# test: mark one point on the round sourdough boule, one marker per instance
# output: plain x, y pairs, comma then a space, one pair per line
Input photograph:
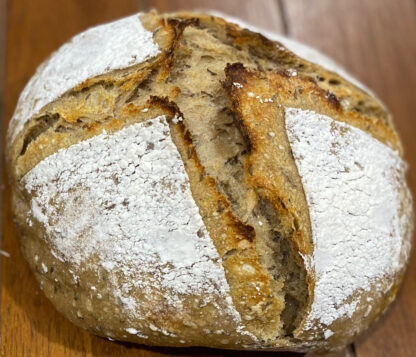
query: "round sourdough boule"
178, 180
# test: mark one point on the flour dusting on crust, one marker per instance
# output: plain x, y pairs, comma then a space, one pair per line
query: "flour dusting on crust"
352, 184
99, 50
123, 202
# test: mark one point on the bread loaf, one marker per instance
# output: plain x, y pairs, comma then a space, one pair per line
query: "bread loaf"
179, 180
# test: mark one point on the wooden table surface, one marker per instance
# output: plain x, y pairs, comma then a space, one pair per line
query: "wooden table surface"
374, 39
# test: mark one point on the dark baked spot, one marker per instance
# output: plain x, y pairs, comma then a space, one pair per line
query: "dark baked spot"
334, 81
246, 231
229, 253
333, 100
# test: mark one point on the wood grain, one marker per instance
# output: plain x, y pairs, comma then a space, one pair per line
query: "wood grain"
263, 13
372, 39
3, 17
375, 41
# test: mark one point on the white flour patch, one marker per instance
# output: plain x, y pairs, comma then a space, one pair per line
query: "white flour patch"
99, 50
124, 199
351, 182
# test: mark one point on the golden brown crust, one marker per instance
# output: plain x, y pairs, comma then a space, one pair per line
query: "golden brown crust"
282, 186
350, 96
270, 167
251, 287
303, 92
